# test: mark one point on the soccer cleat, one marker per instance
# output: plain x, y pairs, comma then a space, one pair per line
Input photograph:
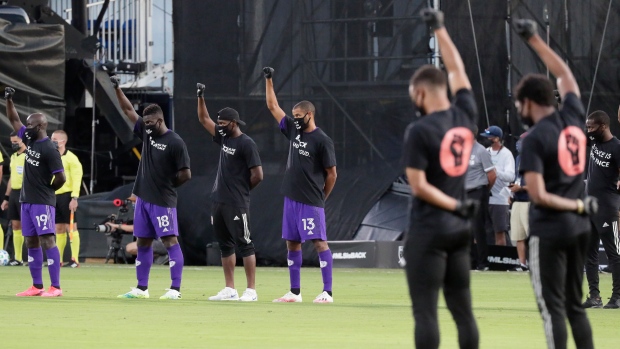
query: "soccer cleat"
15, 263
324, 297
226, 294
171, 294
249, 295
52, 292
593, 302
614, 303
289, 297
135, 293
72, 264
31, 292
482, 268
519, 268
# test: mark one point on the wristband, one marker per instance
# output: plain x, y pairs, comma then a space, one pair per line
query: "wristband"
6, 197
580, 206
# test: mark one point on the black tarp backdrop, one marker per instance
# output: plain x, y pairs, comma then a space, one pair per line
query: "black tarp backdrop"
32, 60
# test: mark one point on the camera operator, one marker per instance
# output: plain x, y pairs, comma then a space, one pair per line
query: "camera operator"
160, 254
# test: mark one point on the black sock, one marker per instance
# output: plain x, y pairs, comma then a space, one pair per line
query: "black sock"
39, 286
175, 288
328, 292
296, 291
143, 288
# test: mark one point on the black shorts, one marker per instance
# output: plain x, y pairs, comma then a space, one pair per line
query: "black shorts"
15, 207
232, 228
63, 213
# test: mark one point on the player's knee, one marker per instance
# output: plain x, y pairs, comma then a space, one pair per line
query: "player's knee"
60, 228
320, 245
132, 248
169, 241
16, 225
227, 250
247, 250
47, 241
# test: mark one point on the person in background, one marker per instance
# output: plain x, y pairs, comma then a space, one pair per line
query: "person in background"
11, 197
519, 225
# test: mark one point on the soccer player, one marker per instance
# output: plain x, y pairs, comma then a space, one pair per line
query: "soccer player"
553, 159
603, 184
436, 153
308, 180
11, 196
164, 166
43, 174
519, 215
67, 200
238, 172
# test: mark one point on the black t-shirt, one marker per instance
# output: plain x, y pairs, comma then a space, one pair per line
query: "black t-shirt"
603, 174
41, 163
440, 144
556, 148
237, 156
309, 154
162, 158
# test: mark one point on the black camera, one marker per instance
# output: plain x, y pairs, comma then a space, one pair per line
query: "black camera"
104, 228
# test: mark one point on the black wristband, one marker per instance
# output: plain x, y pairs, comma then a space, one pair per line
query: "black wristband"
6, 197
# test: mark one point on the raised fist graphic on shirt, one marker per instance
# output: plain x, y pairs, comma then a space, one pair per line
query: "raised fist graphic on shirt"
456, 148
572, 145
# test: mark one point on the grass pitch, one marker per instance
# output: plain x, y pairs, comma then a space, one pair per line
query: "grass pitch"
371, 310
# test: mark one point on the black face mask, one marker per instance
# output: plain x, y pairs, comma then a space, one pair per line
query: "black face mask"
32, 132
301, 123
486, 142
55, 144
418, 111
596, 135
153, 129
15, 146
224, 131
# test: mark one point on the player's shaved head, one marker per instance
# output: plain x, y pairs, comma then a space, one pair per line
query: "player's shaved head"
600, 117
153, 111
37, 119
306, 106
60, 134
430, 77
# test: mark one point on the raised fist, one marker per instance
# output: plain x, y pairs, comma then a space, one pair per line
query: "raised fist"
467, 209
8, 92
201, 90
268, 71
590, 205
432, 17
526, 28
116, 81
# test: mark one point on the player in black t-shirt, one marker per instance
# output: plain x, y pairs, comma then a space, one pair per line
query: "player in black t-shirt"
308, 180
553, 159
436, 153
238, 172
43, 175
164, 166
603, 170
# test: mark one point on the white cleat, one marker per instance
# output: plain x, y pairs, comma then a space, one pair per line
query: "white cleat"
227, 294
171, 294
324, 297
135, 293
249, 295
289, 297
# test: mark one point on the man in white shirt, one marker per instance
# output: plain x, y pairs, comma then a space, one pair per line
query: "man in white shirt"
500, 193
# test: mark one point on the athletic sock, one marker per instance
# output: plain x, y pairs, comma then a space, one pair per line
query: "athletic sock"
1, 238
53, 265
18, 244
326, 262
176, 266
144, 261
75, 246
35, 264
294, 269
61, 242
296, 291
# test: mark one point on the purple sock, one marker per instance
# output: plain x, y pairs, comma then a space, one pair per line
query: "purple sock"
53, 265
35, 264
176, 266
294, 268
325, 261
144, 261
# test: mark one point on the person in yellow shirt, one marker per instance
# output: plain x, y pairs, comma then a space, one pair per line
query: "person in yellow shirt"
11, 196
67, 199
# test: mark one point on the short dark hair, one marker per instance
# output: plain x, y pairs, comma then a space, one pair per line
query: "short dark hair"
600, 117
13, 134
305, 105
153, 109
430, 75
537, 88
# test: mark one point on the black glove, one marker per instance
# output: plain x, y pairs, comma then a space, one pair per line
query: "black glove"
432, 17
588, 206
268, 71
526, 28
116, 81
467, 209
201, 90
8, 93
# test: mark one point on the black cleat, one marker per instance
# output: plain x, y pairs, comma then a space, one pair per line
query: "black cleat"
614, 303
519, 268
72, 264
15, 263
593, 302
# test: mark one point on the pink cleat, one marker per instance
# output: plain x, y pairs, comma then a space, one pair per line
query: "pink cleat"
52, 292
31, 292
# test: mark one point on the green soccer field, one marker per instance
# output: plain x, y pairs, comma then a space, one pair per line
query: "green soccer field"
371, 310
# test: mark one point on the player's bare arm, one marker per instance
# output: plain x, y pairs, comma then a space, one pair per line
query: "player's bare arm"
457, 78
126, 105
330, 180
540, 197
203, 113
566, 82
256, 176
492, 177
59, 180
183, 176
11, 112
272, 101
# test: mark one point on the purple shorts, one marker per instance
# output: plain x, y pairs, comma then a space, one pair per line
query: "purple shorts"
152, 221
38, 219
301, 222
